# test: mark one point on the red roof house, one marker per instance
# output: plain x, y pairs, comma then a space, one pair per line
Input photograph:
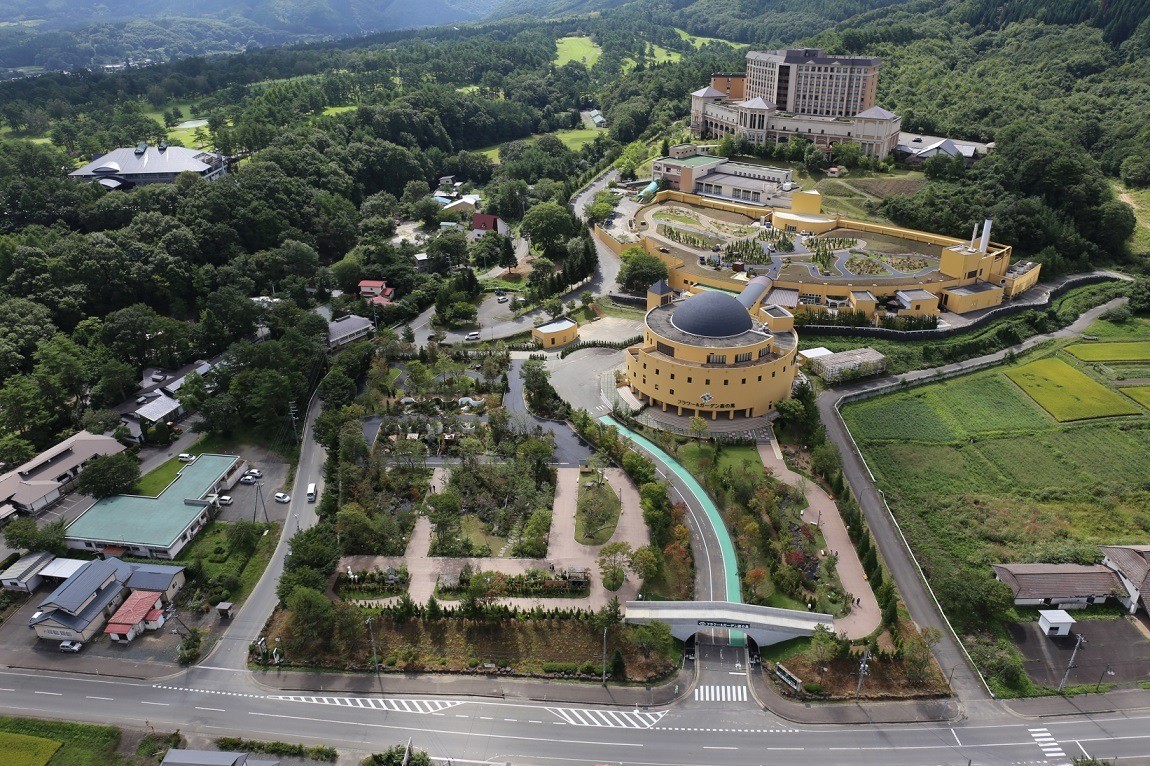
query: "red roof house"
481, 223
128, 621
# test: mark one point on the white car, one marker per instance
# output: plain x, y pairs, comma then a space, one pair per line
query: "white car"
473, 335
71, 646
502, 299
185, 457
247, 480
256, 473
282, 497
224, 500
159, 377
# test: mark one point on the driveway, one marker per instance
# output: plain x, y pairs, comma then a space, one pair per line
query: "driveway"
570, 450
577, 378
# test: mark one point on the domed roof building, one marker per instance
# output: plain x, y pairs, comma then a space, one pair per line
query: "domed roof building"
712, 353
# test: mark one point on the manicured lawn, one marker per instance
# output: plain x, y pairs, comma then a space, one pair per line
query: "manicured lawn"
1066, 393
79, 744
661, 54
1140, 394
473, 528
697, 458
22, 750
153, 483
573, 139
1135, 351
699, 42
596, 495
212, 548
577, 49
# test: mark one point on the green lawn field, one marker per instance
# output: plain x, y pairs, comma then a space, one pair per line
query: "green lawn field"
1130, 351
1140, 394
699, 42
1068, 394
73, 744
577, 49
21, 750
573, 139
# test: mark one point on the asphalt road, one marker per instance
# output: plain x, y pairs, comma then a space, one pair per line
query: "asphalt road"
569, 448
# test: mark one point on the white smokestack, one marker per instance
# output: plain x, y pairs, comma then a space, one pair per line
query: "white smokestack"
985, 236
973, 235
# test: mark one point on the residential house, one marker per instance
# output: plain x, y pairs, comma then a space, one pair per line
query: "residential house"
481, 223
142, 610
79, 607
164, 579
1131, 563
376, 292
52, 474
348, 329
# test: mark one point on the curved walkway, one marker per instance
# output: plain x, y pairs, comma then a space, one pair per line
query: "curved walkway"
866, 616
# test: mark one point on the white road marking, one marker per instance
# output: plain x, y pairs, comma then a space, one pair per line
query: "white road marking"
157, 704
614, 719
51, 694
720, 693
719, 747
105, 699
394, 705
213, 709
956, 739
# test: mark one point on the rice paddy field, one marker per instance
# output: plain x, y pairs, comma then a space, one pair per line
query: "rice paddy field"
1128, 351
1040, 460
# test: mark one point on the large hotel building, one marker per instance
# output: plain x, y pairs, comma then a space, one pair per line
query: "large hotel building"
798, 92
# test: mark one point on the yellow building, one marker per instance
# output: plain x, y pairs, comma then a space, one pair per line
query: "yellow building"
714, 354
557, 332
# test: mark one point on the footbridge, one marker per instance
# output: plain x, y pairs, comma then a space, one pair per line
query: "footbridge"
766, 625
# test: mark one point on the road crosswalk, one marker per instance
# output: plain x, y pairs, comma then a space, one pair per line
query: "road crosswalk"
614, 719
374, 703
1050, 747
724, 693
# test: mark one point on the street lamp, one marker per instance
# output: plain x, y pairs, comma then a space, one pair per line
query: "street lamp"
374, 653
604, 656
1108, 672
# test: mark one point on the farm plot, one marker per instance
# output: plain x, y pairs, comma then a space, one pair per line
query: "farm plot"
1137, 351
21, 750
1068, 394
1140, 394
905, 416
986, 404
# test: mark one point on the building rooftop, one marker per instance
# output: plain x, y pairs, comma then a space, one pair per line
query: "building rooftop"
659, 319
915, 295
152, 161
863, 295
693, 161
1036, 581
708, 92
781, 296
38, 477
345, 326
134, 609
156, 577
158, 408
812, 56
711, 314
72, 594
876, 113
62, 569
28, 565
555, 325
153, 521
660, 288
757, 103
974, 289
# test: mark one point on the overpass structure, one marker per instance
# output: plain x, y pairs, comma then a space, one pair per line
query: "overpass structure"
766, 625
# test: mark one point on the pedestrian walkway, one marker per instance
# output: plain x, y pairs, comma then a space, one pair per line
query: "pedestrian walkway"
723, 693
821, 509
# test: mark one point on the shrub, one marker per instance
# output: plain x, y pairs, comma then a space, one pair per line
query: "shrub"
570, 668
812, 687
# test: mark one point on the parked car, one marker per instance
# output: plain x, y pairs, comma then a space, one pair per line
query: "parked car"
282, 497
500, 292
502, 299
255, 472
247, 480
185, 457
71, 646
473, 335
159, 377
407, 400
224, 499
141, 400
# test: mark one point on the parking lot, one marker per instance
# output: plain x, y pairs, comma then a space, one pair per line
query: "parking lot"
1115, 651
246, 504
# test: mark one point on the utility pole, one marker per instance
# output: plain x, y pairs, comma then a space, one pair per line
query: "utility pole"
294, 425
604, 656
406, 753
260, 502
863, 672
1070, 664
375, 660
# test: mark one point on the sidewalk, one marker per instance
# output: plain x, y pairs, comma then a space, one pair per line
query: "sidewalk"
865, 617
498, 687
838, 713
1081, 704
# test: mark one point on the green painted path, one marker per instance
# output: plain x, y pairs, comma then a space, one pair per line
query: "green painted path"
726, 547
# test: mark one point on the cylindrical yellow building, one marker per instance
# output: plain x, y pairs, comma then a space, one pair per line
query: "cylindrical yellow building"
713, 353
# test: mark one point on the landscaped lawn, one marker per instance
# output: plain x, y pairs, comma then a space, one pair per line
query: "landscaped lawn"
1131, 351
577, 49
1066, 393
573, 139
661, 54
699, 42
600, 496
79, 744
154, 482
473, 528
693, 457
1140, 394
212, 548
22, 750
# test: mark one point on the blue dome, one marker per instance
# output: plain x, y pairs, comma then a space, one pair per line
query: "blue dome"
712, 314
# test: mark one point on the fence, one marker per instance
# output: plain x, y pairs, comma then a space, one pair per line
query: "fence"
1068, 283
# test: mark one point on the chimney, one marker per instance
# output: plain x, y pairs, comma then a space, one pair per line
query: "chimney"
985, 236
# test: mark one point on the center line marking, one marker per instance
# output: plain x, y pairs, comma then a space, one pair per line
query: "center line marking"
213, 709
51, 694
719, 747
106, 699
161, 704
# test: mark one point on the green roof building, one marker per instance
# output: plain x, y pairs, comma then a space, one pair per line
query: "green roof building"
158, 526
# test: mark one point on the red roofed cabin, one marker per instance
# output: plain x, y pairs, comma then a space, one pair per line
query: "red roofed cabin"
376, 292
481, 223
141, 611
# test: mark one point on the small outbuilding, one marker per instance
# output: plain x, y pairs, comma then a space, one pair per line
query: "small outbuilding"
1055, 622
557, 332
25, 576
